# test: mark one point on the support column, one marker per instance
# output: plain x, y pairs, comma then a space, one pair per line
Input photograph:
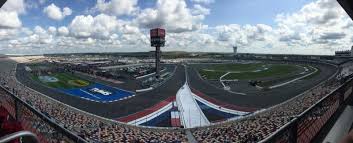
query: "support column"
293, 133
17, 110
157, 54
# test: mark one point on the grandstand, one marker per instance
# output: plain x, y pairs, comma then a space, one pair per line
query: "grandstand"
231, 122
183, 97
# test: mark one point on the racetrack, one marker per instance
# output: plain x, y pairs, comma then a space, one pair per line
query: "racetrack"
109, 110
254, 97
113, 110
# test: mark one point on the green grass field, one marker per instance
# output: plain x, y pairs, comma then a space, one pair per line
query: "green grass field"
274, 70
235, 67
211, 74
246, 71
66, 81
314, 74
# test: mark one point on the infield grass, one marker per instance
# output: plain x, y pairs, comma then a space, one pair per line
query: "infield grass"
273, 71
65, 81
234, 67
246, 71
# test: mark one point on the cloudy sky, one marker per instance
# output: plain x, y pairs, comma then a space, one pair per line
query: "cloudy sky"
255, 26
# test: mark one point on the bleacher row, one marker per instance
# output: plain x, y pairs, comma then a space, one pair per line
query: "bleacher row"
85, 125
94, 129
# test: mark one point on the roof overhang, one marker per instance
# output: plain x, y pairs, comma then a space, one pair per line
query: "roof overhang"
347, 6
2, 3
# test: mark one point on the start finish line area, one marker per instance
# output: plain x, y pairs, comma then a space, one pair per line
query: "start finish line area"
99, 93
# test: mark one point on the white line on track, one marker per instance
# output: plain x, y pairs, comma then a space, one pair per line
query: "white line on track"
288, 82
90, 94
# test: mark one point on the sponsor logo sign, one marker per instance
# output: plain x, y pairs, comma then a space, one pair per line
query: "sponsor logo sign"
100, 91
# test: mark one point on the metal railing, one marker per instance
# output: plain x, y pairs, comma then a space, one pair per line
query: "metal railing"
35, 121
305, 127
19, 134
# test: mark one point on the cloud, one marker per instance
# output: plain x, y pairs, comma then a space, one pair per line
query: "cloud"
63, 31
172, 15
9, 14
41, 36
320, 27
332, 36
200, 10
7, 34
117, 7
322, 24
100, 26
9, 20
290, 37
52, 30
203, 1
17, 6
39, 30
55, 13
42, 1
243, 35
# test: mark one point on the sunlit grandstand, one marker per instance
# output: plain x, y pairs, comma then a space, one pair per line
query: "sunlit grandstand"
240, 100
77, 84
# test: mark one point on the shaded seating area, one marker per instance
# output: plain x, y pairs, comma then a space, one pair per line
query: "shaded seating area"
8, 124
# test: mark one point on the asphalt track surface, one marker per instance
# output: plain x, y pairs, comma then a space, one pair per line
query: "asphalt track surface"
109, 110
242, 86
260, 99
147, 99
129, 83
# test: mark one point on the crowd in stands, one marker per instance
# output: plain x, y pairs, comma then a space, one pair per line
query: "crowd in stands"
346, 72
93, 129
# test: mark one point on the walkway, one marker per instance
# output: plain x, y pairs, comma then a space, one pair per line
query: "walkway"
341, 127
191, 114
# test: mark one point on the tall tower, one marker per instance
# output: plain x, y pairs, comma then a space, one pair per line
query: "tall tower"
157, 40
235, 48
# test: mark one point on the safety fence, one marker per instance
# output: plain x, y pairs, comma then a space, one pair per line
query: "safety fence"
306, 126
35, 121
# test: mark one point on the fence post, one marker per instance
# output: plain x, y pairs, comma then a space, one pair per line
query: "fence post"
16, 110
341, 93
293, 131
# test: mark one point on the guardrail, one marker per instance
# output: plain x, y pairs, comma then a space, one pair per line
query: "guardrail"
35, 121
305, 127
19, 135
